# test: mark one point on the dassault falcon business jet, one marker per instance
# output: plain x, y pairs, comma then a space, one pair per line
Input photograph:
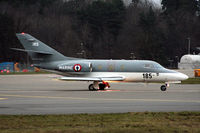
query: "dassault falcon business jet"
100, 72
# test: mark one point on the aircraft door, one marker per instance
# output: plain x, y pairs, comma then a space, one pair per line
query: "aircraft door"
90, 67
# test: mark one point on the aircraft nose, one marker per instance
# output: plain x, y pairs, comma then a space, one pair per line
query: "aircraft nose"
182, 76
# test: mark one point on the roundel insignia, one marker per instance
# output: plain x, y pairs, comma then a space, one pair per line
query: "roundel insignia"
77, 68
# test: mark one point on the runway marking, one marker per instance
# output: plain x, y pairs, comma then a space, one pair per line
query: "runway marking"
103, 99
171, 91
55, 79
137, 91
3, 98
50, 97
107, 90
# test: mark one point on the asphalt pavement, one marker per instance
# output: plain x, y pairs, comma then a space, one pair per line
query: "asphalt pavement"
44, 94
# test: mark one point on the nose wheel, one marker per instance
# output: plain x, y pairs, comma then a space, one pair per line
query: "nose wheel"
163, 88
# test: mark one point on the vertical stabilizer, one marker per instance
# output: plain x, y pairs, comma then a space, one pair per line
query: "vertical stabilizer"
38, 51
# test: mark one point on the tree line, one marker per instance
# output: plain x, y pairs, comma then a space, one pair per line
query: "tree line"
103, 29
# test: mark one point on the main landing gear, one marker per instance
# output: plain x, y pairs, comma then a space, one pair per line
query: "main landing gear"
98, 86
164, 87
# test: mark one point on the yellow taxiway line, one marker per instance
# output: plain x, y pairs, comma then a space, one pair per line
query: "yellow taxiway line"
102, 99
3, 98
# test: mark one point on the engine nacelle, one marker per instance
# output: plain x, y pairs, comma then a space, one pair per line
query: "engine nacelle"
75, 67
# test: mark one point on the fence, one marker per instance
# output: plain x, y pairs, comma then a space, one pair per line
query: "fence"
7, 67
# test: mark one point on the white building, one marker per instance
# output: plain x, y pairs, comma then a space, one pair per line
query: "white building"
189, 62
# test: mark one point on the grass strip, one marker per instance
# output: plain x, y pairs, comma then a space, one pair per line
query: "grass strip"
153, 122
191, 81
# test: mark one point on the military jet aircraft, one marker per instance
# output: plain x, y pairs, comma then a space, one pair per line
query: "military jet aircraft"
100, 72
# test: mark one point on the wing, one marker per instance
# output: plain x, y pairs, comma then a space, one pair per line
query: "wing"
92, 78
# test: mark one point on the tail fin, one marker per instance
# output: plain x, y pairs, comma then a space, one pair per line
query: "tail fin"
37, 50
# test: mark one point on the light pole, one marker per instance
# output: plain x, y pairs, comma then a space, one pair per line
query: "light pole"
177, 61
27, 60
82, 53
132, 56
188, 45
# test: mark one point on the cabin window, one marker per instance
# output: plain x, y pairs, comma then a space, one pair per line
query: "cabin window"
99, 67
122, 67
111, 67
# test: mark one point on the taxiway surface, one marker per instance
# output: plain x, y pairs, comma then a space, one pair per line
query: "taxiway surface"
43, 94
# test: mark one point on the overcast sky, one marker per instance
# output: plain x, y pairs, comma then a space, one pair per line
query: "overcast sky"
157, 2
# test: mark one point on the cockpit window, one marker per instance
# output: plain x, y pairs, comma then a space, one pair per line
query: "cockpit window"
148, 66
157, 65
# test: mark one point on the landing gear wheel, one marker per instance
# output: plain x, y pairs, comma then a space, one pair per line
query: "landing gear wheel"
91, 87
163, 88
102, 86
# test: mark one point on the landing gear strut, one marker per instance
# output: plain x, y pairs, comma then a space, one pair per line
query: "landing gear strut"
98, 86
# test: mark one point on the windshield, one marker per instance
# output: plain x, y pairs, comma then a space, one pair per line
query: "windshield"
152, 65
156, 65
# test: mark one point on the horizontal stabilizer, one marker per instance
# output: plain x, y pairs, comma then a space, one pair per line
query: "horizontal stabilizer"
39, 52
92, 78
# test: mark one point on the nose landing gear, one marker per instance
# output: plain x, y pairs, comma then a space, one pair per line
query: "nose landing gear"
98, 86
164, 87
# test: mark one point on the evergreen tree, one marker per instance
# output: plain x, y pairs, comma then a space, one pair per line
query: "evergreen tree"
7, 38
104, 19
171, 6
152, 40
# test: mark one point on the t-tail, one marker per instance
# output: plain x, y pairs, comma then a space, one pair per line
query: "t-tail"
38, 51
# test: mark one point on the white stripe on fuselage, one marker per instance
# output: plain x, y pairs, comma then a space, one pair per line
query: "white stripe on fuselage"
141, 76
